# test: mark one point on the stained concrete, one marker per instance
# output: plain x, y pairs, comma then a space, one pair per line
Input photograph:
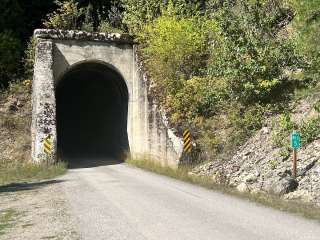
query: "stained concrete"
91, 98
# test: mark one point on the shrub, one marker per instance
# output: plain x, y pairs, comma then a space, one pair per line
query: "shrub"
283, 127
105, 26
198, 97
175, 49
28, 60
254, 55
310, 131
307, 26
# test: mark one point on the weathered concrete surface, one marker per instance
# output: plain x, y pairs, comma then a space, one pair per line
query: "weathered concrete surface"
59, 51
43, 101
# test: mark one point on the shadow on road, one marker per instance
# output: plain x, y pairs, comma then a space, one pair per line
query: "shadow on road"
90, 162
15, 187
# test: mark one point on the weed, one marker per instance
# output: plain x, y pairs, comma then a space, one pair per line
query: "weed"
21, 172
273, 164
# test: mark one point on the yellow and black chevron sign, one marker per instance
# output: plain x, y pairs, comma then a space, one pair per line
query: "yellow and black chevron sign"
47, 145
187, 141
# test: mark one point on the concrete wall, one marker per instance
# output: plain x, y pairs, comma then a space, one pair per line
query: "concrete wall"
58, 51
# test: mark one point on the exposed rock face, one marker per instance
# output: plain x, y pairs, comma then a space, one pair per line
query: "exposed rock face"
259, 167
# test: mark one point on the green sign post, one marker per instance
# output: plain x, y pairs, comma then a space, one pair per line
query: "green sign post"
295, 145
295, 140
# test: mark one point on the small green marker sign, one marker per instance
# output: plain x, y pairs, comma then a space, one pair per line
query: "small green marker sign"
295, 140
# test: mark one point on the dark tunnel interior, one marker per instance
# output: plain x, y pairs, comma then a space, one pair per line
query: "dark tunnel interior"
92, 107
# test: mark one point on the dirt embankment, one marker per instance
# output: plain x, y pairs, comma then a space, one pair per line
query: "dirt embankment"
15, 120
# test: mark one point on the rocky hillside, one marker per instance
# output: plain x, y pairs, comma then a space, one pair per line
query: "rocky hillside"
259, 166
15, 119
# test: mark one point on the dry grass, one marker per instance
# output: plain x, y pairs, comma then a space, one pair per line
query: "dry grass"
7, 219
27, 172
303, 209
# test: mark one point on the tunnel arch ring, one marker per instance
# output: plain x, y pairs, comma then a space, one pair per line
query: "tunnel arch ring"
90, 61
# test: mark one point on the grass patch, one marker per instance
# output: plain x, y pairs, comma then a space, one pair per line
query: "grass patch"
305, 92
24, 172
303, 209
7, 219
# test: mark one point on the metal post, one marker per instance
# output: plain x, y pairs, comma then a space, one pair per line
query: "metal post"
294, 167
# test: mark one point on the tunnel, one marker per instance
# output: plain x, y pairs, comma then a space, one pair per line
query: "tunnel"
92, 109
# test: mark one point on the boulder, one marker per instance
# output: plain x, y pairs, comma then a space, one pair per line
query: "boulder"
283, 186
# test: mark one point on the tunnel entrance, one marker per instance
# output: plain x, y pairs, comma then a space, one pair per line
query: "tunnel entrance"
92, 108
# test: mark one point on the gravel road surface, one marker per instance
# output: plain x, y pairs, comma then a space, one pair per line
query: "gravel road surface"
122, 202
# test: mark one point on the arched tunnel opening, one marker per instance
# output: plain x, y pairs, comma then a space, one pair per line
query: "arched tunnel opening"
92, 108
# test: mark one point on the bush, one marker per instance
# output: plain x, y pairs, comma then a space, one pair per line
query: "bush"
283, 127
307, 26
256, 53
137, 13
28, 60
175, 50
105, 26
198, 97
310, 131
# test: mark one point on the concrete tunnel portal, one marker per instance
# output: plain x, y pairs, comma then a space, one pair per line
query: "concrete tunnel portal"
93, 102
92, 109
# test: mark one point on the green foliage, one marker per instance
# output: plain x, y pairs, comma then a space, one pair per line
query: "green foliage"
213, 137
106, 27
310, 131
246, 120
316, 106
67, 16
273, 164
283, 127
175, 50
137, 13
28, 60
198, 97
9, 57
254, 56
88, 21
307, 26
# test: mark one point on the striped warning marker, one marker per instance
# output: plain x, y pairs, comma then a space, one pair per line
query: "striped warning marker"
187, 141
47, 146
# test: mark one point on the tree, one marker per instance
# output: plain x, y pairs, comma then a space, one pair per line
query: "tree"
137, 13
9, 57
67, 16
307, 26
